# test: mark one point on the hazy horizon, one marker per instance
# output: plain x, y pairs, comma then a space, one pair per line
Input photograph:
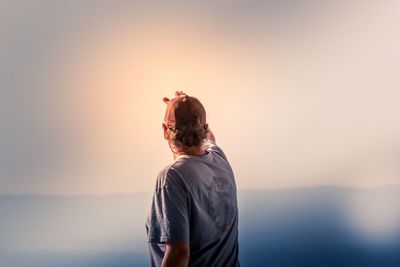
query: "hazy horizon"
239, 190
297, 227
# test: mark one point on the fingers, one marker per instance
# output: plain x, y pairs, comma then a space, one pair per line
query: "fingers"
166, 100
179, 93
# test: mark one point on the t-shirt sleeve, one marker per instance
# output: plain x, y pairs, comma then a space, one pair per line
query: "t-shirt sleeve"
169, 216
212, 146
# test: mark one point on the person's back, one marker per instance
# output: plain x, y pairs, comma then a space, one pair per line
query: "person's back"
195, 206
207, 184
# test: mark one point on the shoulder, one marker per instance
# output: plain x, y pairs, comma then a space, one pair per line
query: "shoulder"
168, 176
213, 147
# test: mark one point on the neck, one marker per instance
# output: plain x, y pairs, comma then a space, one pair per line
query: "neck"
191, 151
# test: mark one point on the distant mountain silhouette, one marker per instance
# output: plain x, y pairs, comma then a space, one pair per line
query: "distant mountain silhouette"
295, 227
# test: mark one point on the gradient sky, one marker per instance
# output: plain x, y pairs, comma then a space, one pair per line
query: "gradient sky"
298, 93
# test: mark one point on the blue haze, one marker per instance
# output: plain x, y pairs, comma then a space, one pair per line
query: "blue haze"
298, 227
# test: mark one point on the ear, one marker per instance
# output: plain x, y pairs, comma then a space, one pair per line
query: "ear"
206, 127
165, 130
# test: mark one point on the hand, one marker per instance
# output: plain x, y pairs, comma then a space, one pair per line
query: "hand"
177, 94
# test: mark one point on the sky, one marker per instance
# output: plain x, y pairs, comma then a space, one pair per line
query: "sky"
297, 93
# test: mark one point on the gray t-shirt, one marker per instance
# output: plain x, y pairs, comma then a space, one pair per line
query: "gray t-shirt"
195, 202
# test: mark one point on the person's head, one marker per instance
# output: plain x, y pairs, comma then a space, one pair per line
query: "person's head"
184, 124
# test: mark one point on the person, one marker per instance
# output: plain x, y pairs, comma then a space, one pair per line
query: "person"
193, 220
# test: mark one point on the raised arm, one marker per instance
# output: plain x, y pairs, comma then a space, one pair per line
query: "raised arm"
210, 136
